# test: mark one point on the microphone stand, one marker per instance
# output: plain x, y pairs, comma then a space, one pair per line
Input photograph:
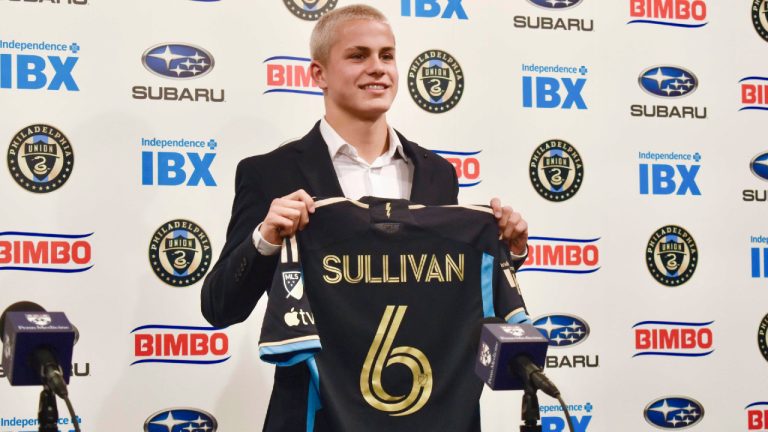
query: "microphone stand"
530, 411
48, 412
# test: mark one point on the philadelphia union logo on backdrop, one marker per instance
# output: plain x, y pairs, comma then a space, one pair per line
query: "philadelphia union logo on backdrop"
180, 253
760, 17
556, 170
672, 255
674, 412
181, 420
436, 81
762, 337
40, 158
310, 10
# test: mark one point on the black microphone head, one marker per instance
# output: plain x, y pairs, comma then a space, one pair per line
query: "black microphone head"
22, 306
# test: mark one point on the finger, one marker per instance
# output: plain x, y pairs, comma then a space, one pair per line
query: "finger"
496, 207
506, 213
304, 197
282, 225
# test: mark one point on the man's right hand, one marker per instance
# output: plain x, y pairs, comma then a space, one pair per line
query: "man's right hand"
286, 216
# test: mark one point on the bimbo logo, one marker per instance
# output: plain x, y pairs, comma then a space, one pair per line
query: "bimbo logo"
55, 253
179, 344
757, 416
286, 74
754, 93
181, 420
675, 13
562, 255
466, 164
674, 412
36, 72
675, 339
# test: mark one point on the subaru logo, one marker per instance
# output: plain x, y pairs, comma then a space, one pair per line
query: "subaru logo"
759, 165
180, 420
556, 4
673, 412
177, 61
668, 81
562, 330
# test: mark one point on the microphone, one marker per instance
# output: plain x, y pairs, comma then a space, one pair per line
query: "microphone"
36, 344
511, 357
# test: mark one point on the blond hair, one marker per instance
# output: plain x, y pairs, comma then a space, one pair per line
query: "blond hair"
325, 30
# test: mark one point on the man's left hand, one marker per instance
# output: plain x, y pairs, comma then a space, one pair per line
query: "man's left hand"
512, 227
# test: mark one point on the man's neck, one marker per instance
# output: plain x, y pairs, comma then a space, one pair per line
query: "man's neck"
369, 138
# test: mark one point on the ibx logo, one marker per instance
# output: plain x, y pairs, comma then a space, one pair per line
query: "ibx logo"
466, 164
564, 331
23, 70
757, 416
674, 412
562, 255
433, 9
674, 339
549, 23
675, 13
668, 82
38, 252
677, 177
179, 344
287, 74
759, 167
178, 61
552, 417
181, 420
759, 247
754, 93
552, 87
162, 166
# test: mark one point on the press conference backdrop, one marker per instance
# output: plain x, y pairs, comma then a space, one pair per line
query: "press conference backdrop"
629, 133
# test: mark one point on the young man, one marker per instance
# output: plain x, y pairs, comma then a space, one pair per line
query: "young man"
351, 152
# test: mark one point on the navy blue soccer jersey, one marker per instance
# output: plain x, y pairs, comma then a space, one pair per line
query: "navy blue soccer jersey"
381, 299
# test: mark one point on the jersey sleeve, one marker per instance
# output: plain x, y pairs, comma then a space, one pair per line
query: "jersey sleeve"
508, 299
288, 333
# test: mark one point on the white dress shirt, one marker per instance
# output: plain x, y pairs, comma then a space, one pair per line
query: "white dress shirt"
389, 176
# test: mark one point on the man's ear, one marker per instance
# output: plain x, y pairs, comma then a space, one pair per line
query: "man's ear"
317, 72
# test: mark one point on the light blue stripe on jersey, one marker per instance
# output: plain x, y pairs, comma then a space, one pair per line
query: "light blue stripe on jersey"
303, 351
313, 395
520, 318
486, 285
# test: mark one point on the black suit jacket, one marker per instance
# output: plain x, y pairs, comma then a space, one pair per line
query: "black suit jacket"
241, 275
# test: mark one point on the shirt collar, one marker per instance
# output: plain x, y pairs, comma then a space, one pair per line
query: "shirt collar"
336, 143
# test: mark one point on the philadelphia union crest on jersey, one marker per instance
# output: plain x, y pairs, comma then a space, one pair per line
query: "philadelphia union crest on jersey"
762, 337
435, 81
40, 158
180, 253
760, 17
556, 170
310, 10
672, 255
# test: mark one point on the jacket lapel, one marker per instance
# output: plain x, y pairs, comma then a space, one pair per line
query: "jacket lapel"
422, 171
316, 166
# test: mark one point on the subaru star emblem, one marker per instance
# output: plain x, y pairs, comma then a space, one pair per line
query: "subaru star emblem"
556, 4
759, 165
562, 330
668, 81
177, 61
180, 420
674, 412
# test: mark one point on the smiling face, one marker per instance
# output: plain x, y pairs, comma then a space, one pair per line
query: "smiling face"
359, 77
